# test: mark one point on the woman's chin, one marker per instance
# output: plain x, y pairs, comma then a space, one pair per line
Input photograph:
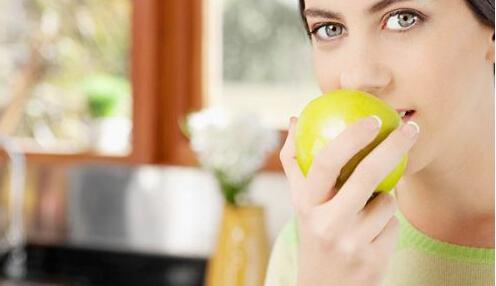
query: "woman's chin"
412, 166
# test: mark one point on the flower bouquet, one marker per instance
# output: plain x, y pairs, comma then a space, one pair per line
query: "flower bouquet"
232, 146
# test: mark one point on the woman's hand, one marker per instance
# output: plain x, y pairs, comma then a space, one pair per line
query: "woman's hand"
344, 240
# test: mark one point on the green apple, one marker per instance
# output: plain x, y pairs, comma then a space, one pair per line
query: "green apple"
328, 115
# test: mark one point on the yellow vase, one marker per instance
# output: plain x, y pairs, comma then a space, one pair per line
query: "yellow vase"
241, 255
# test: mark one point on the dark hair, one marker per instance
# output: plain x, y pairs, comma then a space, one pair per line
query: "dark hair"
482, 9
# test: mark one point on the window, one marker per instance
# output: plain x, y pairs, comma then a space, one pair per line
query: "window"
65, 75
258, 58
170, 55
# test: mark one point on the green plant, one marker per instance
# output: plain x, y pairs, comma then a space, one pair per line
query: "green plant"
105, 95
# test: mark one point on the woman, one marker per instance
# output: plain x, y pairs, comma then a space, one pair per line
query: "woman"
434, 58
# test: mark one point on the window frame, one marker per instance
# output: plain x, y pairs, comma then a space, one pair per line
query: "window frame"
166, 75
144, 78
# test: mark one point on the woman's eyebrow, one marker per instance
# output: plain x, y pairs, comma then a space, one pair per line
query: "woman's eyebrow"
383, 4
321, 13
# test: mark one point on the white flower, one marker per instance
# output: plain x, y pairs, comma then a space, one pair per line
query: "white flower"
234, 144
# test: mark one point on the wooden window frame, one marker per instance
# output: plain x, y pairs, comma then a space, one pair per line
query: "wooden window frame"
167, 84
182, 61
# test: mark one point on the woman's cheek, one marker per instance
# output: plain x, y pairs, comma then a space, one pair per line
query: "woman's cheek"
325, 81
322, 73
327, 71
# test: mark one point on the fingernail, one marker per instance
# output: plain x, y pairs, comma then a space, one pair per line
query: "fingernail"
373, 122
410, 129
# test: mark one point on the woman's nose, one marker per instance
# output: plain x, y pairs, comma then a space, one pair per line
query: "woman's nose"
371, 78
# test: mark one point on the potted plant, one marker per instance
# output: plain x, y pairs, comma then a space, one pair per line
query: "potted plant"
107, 103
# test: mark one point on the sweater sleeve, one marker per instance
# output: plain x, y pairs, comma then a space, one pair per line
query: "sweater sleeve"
282, 267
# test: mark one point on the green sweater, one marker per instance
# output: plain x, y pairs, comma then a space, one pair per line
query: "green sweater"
418, 260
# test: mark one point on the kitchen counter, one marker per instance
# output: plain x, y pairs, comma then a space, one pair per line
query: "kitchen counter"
25, 283
66, 265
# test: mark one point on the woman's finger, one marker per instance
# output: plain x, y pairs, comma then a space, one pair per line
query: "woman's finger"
288, 160
327, 165
374, 168
374, 217
385, 243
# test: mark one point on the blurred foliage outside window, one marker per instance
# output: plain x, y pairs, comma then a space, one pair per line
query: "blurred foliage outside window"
64, 69
264, 58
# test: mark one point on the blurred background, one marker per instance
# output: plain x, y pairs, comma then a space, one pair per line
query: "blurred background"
100, 182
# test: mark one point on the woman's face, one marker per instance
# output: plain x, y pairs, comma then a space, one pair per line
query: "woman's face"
433, 57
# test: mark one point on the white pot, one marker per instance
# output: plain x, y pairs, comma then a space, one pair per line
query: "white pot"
110, 135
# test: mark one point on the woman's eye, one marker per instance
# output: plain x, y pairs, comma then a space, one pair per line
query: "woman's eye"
401, 20
328, 31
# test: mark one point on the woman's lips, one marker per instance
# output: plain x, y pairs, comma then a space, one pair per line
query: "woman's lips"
406, 114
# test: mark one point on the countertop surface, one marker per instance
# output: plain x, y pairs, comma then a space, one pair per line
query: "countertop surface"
56, 265
26, 283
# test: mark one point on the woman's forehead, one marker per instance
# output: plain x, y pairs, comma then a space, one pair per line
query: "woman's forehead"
368, 6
